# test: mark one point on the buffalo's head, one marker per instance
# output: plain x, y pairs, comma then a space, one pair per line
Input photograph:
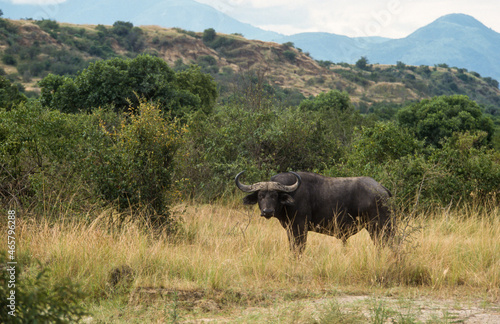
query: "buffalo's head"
270, 194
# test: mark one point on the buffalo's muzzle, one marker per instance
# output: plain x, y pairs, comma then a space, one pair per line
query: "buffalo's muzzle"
267, 213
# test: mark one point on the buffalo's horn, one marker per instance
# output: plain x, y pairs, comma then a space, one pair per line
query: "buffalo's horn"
243, 187
269, 185
293, 187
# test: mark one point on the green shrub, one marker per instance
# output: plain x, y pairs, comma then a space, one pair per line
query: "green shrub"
9, 94
290, 55
9, 59
384, 142
41, 155
37, 301
220, 42
132, 165
122, 28
460, 171
48, 25
263, 142
473, 169
435, 119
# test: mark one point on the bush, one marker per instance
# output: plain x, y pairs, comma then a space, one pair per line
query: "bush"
69, 162
263, 142
362, 64
384, 142
473, 169
438, 118
9, 94
37, 301
132, 165
122, 28
461, 170
48, 25
333, 100
290, 55
220, 42
41, 156
9, 59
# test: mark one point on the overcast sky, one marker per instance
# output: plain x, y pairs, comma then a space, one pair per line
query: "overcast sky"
387, 18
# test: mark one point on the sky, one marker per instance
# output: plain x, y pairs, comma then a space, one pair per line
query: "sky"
354, 18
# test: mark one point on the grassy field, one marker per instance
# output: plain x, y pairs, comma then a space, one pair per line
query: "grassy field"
227, 264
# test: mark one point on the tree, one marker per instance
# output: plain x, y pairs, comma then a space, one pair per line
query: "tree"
208, 35
332, 100
122, 28
438, 118
120, 82
362, 63
400, 65
9, 94
199, 84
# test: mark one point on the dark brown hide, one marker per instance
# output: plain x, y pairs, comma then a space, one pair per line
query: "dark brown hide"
339, 207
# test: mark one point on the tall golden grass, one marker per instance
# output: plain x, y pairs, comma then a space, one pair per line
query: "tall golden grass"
229, 247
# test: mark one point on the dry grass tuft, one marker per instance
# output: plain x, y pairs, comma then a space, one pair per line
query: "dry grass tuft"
225, 248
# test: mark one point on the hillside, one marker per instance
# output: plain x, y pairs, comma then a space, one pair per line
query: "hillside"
454, 39
32, 49
186, 14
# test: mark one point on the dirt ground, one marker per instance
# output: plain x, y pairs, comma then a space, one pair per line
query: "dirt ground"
198, 307
368, 308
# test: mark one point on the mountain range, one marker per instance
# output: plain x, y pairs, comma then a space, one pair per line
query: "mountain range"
456, 39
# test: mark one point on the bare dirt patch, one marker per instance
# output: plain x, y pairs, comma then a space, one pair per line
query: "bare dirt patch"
199, 306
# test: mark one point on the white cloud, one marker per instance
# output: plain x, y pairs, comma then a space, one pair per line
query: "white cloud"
389, 18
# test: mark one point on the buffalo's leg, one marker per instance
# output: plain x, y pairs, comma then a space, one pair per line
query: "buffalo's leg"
297, 237
381, 229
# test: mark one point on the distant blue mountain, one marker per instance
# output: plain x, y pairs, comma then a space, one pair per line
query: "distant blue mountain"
456, 39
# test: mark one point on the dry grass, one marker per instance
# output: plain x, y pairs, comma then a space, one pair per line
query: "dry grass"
230, 252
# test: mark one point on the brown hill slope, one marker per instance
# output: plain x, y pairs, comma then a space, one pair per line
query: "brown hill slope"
32, 49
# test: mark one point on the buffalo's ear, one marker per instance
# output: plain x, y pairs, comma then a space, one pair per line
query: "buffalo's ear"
251, 199
287, 200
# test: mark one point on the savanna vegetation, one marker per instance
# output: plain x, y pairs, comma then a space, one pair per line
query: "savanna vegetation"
122, 180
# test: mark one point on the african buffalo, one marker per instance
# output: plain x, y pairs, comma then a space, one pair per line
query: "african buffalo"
305, 201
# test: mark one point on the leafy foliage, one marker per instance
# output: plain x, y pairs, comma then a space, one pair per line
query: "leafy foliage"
9, 94
38, 146
133, 164
262, 141
362, 63
333, 100
118, 82
36, 300
209, 35
384, 142
120, 159
462, 169
434, 119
